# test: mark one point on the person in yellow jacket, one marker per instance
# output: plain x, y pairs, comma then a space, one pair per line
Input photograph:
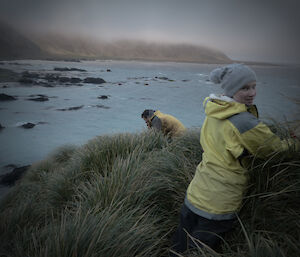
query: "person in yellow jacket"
231, 130
166, 123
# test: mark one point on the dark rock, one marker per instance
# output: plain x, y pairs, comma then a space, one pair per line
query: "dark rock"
64, 79
94, 80
51, 77
7, 75
75, 80
39, 99
71, 108
1, 127
68, 69
27, 74
103, 97
54, 78
108, 70
10, 179
10, 166
101, 106
5, 97
40, 95
26, 80
28, 125
42, 84
163, 78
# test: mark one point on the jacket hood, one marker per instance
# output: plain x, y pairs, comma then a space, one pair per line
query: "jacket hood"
222, 107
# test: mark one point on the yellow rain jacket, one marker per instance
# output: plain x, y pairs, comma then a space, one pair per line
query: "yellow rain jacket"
170, 126
229, 130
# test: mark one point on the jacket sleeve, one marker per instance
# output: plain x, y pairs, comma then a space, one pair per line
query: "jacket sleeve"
256, 137
262, 142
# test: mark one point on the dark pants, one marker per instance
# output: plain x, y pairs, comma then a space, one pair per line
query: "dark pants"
205, 230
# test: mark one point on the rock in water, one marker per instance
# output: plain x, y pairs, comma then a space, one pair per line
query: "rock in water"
5, 97
39, 99
28, 125
103, 97
94, 80
10, 179
71, 108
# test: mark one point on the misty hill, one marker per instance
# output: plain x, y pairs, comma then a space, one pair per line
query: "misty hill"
129, 50
13, 45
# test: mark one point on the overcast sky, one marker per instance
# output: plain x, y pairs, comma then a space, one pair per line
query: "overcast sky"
255, 30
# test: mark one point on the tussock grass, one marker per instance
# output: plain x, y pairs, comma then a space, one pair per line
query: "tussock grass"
120, 195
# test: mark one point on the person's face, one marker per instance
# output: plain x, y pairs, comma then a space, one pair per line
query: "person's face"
246, 94
147, 121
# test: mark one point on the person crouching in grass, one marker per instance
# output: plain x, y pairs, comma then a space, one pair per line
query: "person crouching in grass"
166, 123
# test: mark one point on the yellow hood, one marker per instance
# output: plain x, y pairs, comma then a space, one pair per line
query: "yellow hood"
222, 107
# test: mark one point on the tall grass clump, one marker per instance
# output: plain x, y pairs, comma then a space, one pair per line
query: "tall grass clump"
120, 195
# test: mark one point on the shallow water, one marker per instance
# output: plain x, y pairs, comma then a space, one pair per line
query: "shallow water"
131, 87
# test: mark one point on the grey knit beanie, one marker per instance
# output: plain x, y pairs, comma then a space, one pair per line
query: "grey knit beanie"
232, 77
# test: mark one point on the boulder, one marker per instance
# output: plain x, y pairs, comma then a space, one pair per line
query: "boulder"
163, 78
7, 75
71, 108
25, 80
1, 127
64, 79
101, 106
39, 98
75, 80
54, 77
28, 125
10, 179
27, 74
5, 97
51, 77
103, 97
92, 80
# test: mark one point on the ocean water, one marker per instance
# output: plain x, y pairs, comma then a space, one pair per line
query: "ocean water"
131, 86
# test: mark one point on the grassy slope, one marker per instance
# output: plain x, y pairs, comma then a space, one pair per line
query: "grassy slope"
119, 195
